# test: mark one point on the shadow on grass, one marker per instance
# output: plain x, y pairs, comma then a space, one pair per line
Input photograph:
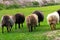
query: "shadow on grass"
42, 28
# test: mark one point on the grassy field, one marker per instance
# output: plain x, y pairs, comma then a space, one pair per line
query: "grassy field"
23, 34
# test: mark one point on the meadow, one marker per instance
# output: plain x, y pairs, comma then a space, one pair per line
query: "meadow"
22, 33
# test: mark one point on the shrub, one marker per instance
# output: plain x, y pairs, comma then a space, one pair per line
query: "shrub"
35, 3
13, 6
2, 6
28, 4
50, 4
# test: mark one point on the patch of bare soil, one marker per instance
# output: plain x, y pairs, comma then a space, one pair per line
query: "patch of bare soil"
53, 35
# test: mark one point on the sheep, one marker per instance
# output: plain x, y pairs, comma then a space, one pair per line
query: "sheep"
53, 19
19, 19
31, 21
7, 22
40, 16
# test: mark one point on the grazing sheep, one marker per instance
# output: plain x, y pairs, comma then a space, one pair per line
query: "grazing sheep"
31, 21
7, 22
19, 19
40, 16
53, 19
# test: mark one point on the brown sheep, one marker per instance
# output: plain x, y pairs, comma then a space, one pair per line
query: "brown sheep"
31, 21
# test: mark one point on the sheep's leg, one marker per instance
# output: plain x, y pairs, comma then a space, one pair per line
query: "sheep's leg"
31, 28
8, 29
2, 29
22, 24
19, 26
11, 28
54, 27
39, 23
34, 27
51, 27
15, 26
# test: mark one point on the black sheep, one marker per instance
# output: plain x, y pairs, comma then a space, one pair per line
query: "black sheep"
59, 13
19, 19
40, 16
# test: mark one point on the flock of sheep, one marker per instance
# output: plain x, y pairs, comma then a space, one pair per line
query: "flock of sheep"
32, 21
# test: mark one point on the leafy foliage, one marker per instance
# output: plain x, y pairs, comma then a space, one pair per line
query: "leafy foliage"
35, 3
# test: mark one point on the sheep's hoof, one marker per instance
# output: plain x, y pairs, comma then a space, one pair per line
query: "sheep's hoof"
36, 25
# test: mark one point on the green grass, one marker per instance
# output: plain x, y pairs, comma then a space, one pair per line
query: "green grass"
23, 34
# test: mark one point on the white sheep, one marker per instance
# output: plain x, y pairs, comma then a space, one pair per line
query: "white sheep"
53, 19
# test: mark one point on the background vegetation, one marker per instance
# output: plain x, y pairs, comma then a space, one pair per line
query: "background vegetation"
28, 4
